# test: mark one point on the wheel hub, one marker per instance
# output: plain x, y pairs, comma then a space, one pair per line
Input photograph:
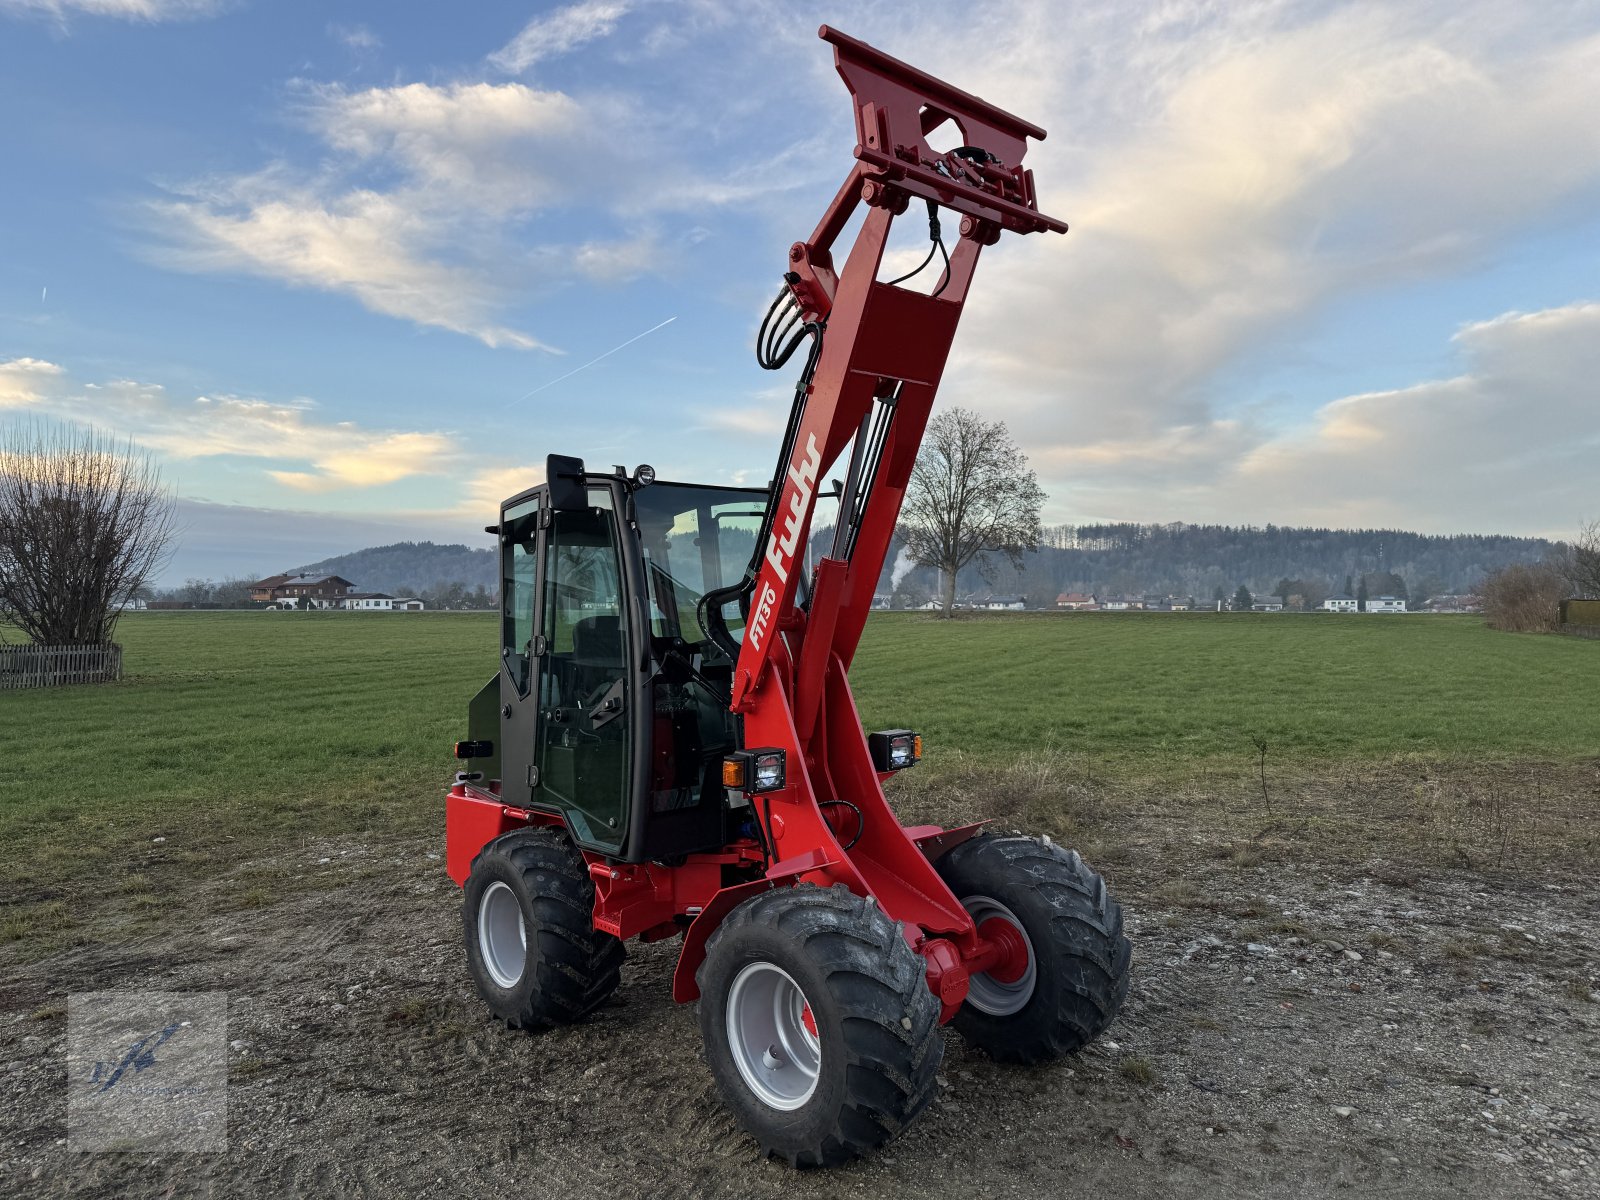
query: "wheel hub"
772, 1033
1006, 986
502, 936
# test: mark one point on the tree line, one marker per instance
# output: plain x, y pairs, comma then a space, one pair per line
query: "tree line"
1211, 562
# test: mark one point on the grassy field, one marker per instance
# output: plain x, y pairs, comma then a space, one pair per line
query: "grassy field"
239, 728
1183, 687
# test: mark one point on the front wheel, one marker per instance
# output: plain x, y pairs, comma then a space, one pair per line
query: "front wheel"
819, 1027
1076, 972
532, 948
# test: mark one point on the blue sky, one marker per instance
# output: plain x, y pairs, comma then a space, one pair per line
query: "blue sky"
1329, 264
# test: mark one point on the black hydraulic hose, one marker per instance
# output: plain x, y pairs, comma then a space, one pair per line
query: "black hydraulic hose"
861, 820
709, 610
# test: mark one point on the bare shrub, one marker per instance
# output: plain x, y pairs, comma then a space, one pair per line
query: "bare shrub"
84, 523
1524, 598
1580, 562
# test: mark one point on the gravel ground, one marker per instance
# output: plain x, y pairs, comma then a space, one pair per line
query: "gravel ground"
1293, 1030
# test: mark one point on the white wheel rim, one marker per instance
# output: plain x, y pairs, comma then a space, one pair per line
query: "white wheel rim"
502, 937
986, 993
777, 1056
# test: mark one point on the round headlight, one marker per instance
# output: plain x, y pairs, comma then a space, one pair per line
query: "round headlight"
644, 475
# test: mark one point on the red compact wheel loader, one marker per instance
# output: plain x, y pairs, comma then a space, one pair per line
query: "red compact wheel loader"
670, 747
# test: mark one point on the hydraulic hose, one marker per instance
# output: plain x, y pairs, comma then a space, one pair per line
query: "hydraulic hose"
771, 356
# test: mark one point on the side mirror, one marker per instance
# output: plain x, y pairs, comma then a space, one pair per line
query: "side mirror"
565, 477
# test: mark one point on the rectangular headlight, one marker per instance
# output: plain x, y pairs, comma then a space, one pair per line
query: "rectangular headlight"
768, 774
894, 749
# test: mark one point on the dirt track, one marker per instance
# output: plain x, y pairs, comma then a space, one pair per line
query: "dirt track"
1458, 1055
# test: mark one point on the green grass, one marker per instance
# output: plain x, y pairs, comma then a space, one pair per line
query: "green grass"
252, 727
1191, 686
243, 725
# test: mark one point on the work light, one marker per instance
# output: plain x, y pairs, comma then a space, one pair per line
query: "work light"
644, 475
754, 771
769, 771
894, 749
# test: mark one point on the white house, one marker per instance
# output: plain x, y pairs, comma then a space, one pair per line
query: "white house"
1386, 604
1340, 603
1266, 604
999, 603
407, 604
369, 602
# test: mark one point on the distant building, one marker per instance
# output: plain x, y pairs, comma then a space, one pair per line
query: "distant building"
407, 604
368, 602
1342, 603
1266, 604
307, 591
1386, 604
1074, 601
999, 603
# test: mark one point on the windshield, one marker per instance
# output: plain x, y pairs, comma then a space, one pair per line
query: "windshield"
696, 539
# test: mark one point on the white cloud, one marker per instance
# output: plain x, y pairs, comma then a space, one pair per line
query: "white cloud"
486, 488
127, 10
1274, 164
1505, 445
355, 37
560, 32
1512, 441
418, 210
23, 380
327, 455
372, 245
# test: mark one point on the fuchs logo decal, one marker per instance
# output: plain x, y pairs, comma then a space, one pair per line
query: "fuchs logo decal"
780, 551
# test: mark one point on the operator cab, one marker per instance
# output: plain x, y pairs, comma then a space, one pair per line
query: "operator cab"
611, 703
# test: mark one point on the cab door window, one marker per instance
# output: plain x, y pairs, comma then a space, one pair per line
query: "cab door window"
584, 683
519, 529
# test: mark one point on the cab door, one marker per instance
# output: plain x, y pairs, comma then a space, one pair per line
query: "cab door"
522, 529
583, 754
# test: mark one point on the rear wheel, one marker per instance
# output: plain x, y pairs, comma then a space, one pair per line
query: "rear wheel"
527, 916
819, 1027
1071, 983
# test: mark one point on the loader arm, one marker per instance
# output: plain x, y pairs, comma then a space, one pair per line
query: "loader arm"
867, 389
880, 358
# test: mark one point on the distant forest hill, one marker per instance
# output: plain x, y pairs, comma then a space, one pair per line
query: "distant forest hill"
1197, 560
412, 568
1105, 560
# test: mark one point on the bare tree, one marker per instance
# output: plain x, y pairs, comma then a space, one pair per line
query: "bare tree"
1580, 562
1523, 598
84, 523
970, 492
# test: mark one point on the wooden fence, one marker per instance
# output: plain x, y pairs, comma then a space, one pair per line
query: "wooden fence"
49, 666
